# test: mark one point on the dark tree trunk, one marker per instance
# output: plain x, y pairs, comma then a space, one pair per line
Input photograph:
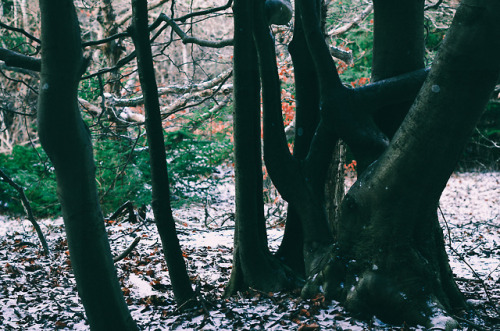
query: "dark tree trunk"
391, 260
66, 140
165, 223
306, 122
398, 48
253, 264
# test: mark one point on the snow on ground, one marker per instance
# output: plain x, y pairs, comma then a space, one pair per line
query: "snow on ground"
39, 293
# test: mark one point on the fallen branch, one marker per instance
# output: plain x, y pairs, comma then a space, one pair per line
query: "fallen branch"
27, 208
127, 251
130, 210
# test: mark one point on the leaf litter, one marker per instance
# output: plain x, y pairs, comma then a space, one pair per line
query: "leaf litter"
39, 292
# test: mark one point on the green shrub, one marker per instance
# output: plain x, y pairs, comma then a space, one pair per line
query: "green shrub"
29, 168
122, 173
191, 161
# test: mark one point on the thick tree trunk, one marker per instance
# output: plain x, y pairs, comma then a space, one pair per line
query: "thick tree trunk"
66, 140
253, 264
391, 260
165, 223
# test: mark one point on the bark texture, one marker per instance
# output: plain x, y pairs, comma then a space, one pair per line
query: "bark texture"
66, 140
390, 260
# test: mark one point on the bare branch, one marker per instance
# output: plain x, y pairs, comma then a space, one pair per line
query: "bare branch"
27, 208
180, 103
336, 31
132, 102
22, 31
193, 40
127, 251
18, 60
205, 12
89, 107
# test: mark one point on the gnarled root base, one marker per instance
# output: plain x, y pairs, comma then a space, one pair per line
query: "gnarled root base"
405, 292
268, 274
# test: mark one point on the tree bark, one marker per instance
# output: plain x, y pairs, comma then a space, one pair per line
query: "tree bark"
66, 140
391, 260
165, 223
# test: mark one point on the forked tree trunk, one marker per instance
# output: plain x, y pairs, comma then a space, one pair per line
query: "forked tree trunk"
390, 259
66, 140
253, 264
306, 122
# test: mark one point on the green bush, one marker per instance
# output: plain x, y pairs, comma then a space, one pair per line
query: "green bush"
191, 161
29, 168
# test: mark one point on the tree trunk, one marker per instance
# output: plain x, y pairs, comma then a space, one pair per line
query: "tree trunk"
390, 259
398, 48
306, 122
66, 140
165, 223
253, 264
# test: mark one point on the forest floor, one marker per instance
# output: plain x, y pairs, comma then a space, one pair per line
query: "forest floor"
39, 292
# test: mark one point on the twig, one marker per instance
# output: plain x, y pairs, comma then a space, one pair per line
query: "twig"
11, 28
473, 325
127, 251
186, 39
461, 258
205, 12
27, 208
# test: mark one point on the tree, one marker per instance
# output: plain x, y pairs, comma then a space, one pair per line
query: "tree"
253, 264
66, 140
384, 254
158, 159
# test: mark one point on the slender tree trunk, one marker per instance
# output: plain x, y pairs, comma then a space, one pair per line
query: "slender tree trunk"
306, 122
165, 223
66, 140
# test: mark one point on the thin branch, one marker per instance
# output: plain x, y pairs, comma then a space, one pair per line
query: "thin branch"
180, 104
186, 39
133, 102
461, 258
22, 31
118, 65
105, 40
127, 251
205, 12
27, 208
364, 14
